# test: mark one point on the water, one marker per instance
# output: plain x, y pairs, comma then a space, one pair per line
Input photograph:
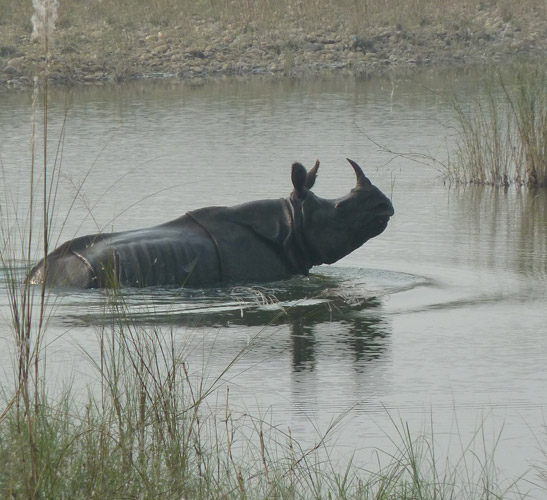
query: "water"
439, 321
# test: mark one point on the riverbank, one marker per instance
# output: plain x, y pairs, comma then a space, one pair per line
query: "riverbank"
102, 41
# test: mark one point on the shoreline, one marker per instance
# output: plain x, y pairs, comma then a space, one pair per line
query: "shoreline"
206, 49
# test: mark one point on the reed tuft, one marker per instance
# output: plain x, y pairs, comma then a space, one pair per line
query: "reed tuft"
502, 133
529, 108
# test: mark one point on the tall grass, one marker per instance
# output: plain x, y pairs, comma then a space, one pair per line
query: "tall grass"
529, 108
28, 313
502, 133
150, 427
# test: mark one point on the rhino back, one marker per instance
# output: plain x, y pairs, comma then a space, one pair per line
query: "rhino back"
162, 255
177, 253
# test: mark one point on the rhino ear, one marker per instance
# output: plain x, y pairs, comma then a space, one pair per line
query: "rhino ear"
299, 179
312, 175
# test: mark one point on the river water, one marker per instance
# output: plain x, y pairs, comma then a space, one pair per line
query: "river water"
440, 322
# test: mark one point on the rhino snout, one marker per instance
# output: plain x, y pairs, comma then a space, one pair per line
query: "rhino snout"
385, 209
383, 212
381, 221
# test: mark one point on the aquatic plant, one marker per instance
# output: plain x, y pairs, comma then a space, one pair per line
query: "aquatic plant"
151, 427
502, 132
529, 109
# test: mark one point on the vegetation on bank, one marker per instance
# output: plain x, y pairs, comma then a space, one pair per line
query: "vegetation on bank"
359, 14
502, 132
101, 40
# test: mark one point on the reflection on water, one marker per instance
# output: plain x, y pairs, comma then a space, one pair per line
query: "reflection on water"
347, 300
504, 227
365, 338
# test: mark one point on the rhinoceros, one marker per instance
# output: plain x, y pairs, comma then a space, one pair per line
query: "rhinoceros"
258, 241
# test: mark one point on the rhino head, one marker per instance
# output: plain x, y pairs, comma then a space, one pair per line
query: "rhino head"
331, 229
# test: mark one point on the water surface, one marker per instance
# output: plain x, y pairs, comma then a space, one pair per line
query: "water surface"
440, 320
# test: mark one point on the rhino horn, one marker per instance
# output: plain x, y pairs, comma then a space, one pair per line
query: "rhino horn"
362, 180
312, 175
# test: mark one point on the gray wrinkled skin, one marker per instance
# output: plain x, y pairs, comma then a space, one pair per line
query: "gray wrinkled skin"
259, 241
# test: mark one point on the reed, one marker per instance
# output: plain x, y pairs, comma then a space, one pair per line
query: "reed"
28, 312
485, 144
151, 434
528, 105
502, 132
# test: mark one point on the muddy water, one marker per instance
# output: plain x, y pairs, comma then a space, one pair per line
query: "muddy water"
440, 321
